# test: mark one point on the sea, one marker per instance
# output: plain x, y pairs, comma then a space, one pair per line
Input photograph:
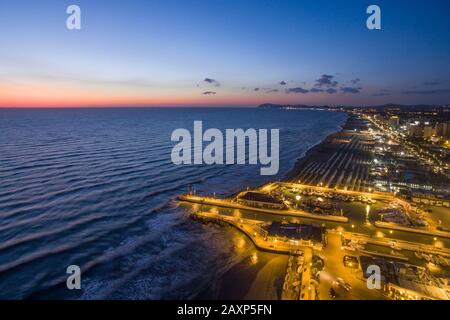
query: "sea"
96, 188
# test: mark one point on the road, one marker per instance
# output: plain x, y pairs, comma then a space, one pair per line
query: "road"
305, 292
334, 267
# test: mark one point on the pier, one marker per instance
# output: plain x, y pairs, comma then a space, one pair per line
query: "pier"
396, 244
374, 194
252, 229
288, 212
393, 226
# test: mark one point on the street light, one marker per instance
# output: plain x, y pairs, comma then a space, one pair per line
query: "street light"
297, 197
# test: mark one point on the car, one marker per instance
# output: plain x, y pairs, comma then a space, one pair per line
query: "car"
343, 284
332, 293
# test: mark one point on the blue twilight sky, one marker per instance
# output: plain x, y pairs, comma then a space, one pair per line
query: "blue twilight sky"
214, 52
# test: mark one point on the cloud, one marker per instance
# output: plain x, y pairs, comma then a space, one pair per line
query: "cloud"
381, 93
283, 83
355, 81
271, 90
350, 90
212, 81
296, 90
329, 90
326, 80
437, 91
433, 83
209, 93
256, 89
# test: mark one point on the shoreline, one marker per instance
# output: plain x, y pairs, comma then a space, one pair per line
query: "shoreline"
261, 281
269, 271
300, 159
312, 151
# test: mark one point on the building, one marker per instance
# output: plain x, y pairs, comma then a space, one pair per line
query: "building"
443, 129
394, 122
430, 199
295, 231
414, 130
378, 117
403, 281
260, 200
428, 131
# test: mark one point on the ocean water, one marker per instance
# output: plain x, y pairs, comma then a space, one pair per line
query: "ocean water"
97, 188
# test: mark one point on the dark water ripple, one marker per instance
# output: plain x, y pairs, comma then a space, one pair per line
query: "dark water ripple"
96, 187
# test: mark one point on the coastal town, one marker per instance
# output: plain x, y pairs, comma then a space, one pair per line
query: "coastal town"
372, 196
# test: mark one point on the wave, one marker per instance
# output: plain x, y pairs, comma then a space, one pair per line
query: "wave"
100, 194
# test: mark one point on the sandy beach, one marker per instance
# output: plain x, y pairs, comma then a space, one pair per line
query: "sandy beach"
258, 277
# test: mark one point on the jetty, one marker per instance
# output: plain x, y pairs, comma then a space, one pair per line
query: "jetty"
396, 244
226, 203
256, 233
428, 232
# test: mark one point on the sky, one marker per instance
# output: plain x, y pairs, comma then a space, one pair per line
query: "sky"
223, 53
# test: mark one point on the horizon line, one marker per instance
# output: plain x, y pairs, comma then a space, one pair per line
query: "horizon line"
148, 106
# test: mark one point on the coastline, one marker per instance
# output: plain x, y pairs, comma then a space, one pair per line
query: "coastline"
304, 156
312, 151
259, 279
340, 160
263, 280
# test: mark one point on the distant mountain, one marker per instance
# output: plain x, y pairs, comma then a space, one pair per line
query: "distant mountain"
294, 106
385, 107
403, 106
